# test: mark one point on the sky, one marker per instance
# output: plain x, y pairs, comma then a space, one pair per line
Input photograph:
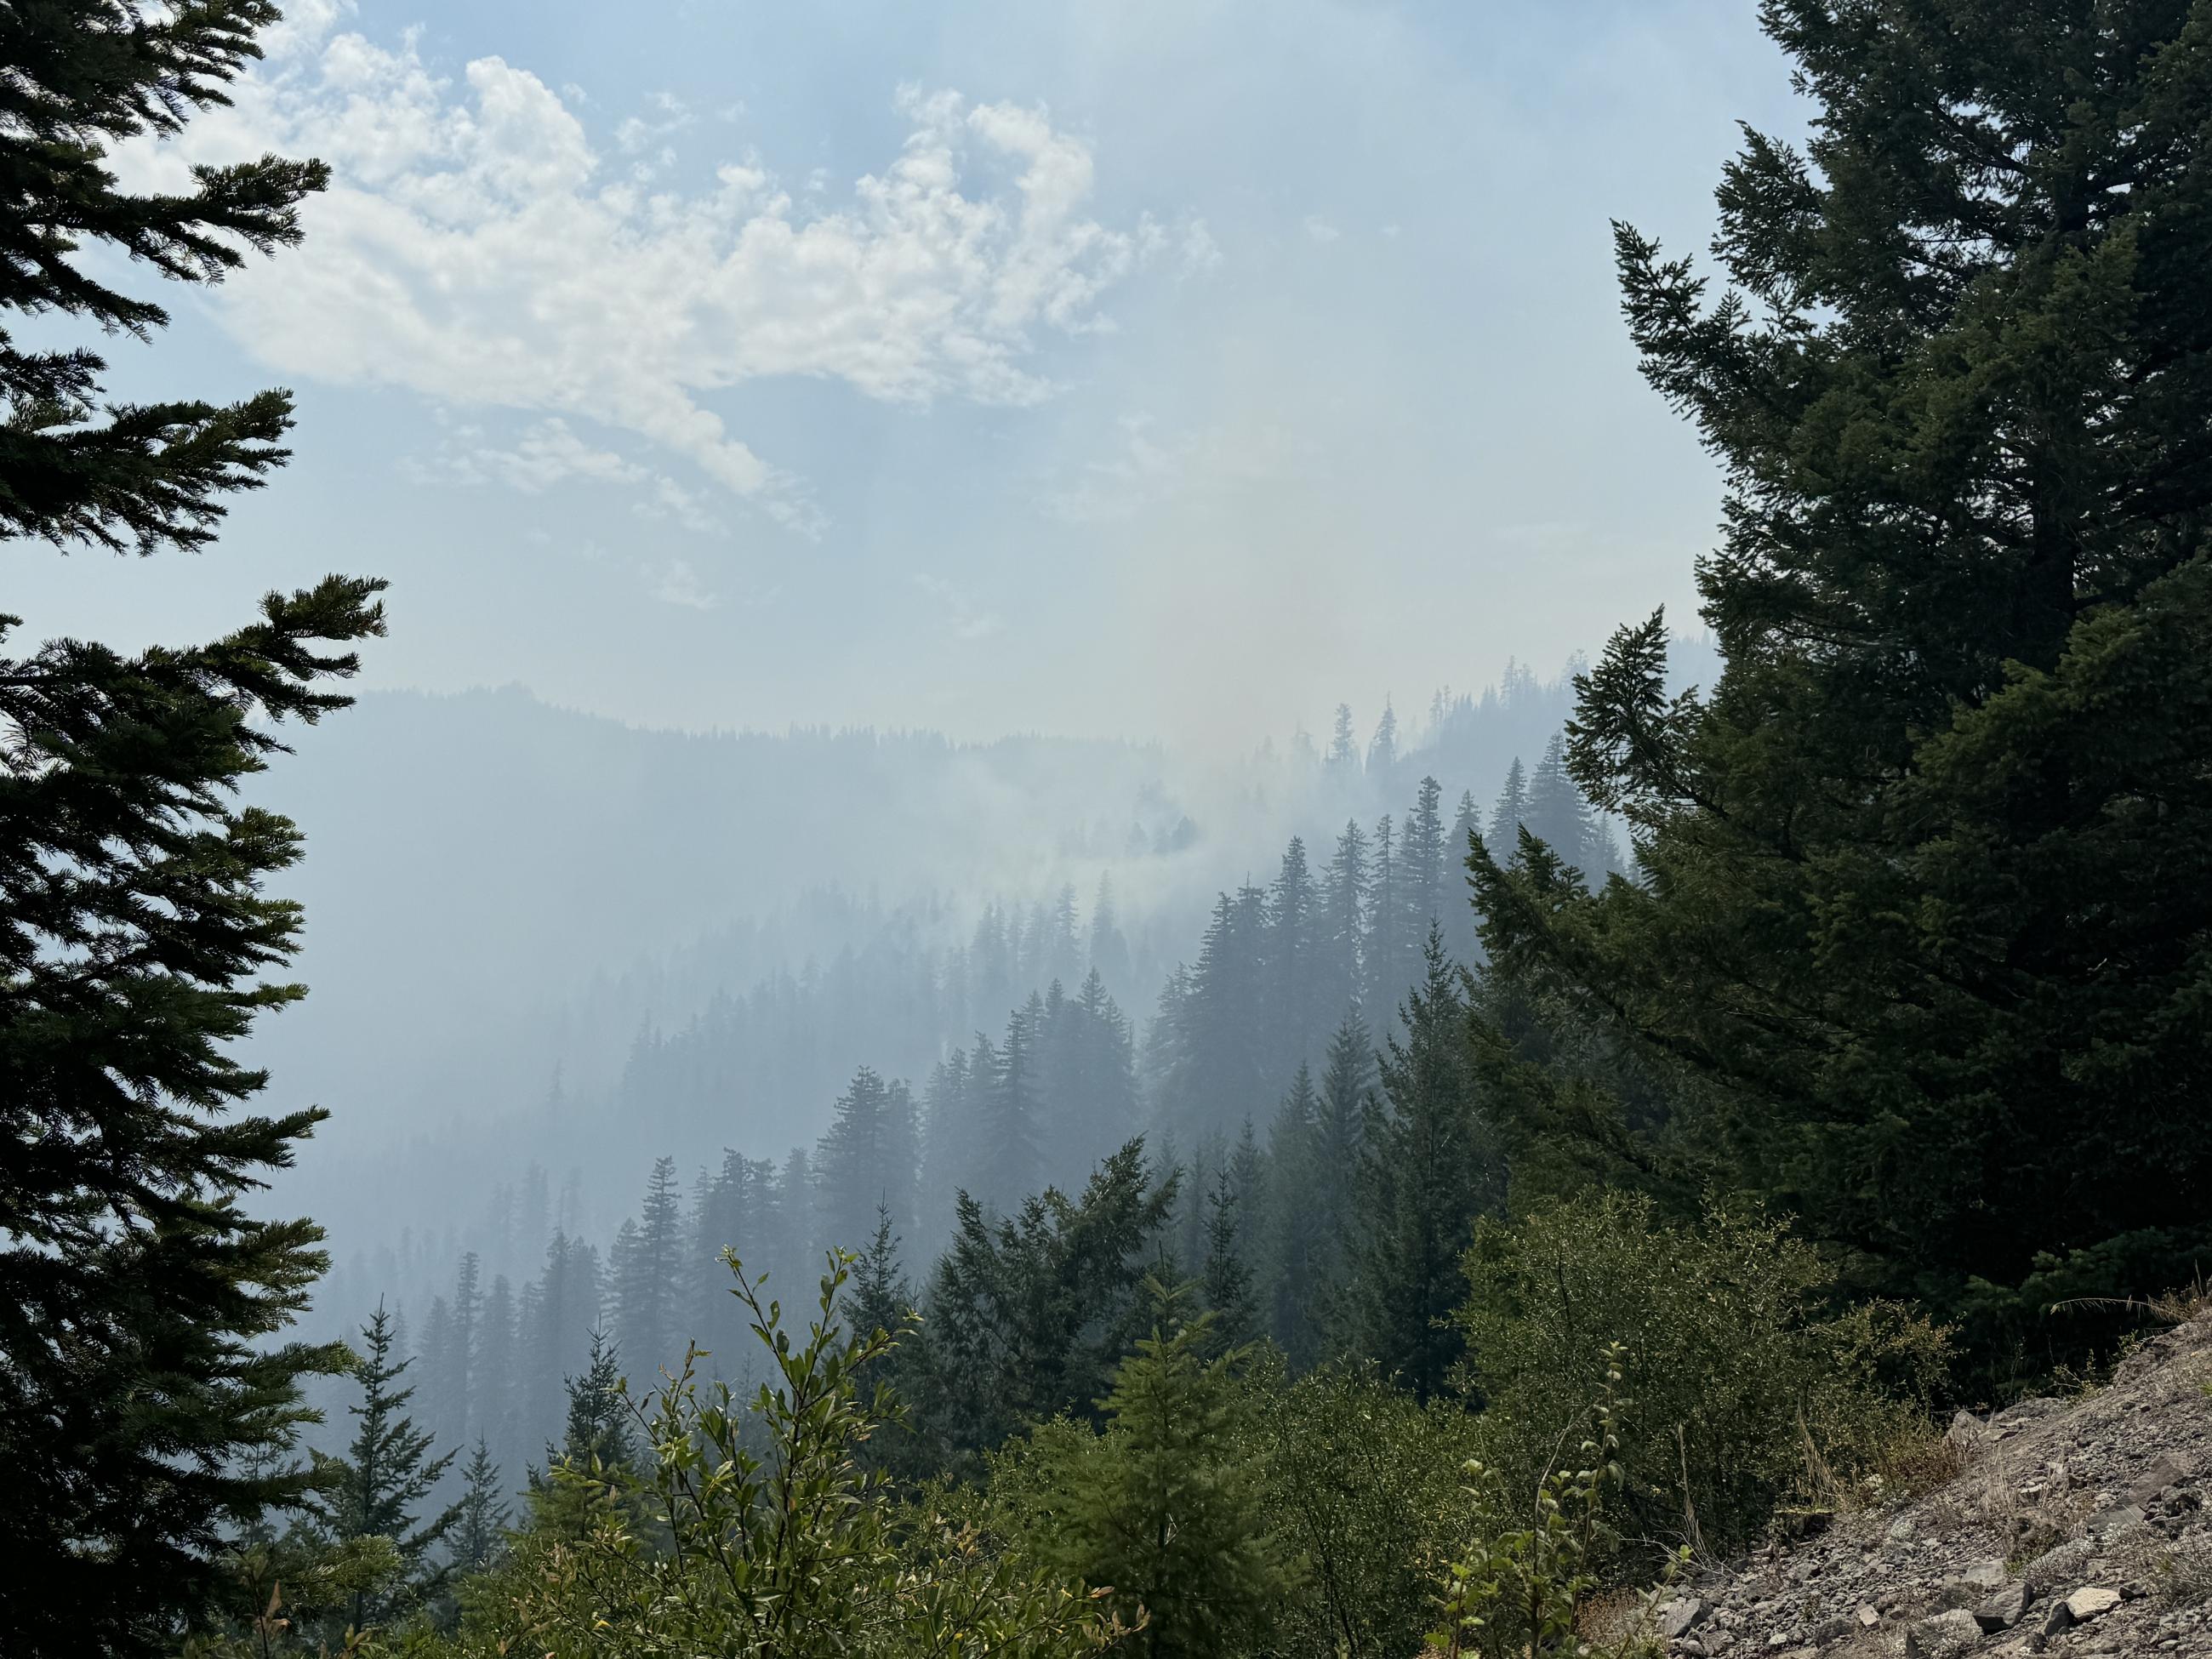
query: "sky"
1156, 370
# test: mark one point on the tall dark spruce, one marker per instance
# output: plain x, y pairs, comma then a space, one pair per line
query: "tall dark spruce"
143, 1378
1927, 894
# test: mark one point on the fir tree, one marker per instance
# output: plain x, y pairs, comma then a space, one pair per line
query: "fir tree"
1110, 950
1509, 813
1226, 1280
138, 931
1343, 747
1425, 1171
1345, 905
1558, 814
377, 1489
480, 1532
599, 1433
1927, 873
865, 1162
1383, 748
1165, 1506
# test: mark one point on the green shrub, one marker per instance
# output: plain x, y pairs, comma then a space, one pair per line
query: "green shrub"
1518, 1590
1751, 1393
1363, 1483
792, 1550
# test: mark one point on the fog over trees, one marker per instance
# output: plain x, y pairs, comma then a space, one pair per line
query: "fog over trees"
1438, 1185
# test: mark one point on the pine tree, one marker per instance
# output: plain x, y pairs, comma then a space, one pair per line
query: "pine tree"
1461, 941
1110, 950
1165, 1506
480, 1532
1025, 1314
1225, 1283
1384, 954
138, 931
1343, 747
1292, 957
1420, 877
865, 1162
1383, 748
377, 1489
1345, 906
1928, 871
1289, 1252
1427, 1170
1558, 814
1507, 816
461, 1382
496, 1379
597, 1433
1013, 1161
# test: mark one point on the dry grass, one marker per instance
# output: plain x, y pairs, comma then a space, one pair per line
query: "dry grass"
2182, 1570
1619, 1623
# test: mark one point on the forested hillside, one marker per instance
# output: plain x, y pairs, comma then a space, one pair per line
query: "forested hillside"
1441, 1189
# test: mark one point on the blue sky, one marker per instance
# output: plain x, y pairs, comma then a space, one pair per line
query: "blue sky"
1151, 369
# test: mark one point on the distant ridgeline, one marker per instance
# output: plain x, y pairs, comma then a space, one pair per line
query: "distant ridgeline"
1251, 1079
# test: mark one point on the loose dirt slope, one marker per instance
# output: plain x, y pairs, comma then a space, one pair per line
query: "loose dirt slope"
2076, 1526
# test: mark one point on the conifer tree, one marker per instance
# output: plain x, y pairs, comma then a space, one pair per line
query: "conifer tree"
462, 1383
1225, 1282
1558, 814
1927, 891
1290, 1254
1427, 1170
1025, 1314
865, 1162
598, 1432
1108, 949
134, 921
480, 1531
1163, 1506
1013, 1161
1509, 814
1292, 958
1384, 955
1343, 747
1345, 906
1383, 748
497, 1382
376, 1491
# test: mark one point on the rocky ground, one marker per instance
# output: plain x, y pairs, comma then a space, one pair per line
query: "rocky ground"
2075, 1525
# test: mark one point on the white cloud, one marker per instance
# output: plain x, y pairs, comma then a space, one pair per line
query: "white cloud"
688, 508
671, 115
1320, 228
548, 453
473, 249
675, 582
964, 616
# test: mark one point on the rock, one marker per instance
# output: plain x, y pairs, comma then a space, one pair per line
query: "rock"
2004, 1609
2054, 1566
1967, 1433
2058, 1618
2104, 1523
1945, 1634
1681, 1616
2155, 1481
1868, 1615
2090, 1603
2027, 1411
1829, 1632
1902, 1529
1981, 1574
1954, 1592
